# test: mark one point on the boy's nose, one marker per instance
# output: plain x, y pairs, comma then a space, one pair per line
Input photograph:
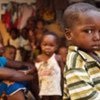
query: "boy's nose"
97, 35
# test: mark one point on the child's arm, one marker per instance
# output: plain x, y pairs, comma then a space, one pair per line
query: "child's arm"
31, 71
18, 64
13, 75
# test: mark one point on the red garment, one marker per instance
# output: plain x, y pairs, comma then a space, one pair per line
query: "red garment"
7, 19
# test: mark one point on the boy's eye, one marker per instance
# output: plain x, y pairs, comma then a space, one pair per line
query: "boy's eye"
89, 31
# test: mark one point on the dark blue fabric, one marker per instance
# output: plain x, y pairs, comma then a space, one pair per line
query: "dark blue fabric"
3, 88
16, 86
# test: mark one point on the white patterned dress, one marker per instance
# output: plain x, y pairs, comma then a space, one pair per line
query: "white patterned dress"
50, 82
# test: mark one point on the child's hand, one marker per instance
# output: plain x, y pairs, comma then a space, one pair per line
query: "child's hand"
31, 71
26, 72
29, 65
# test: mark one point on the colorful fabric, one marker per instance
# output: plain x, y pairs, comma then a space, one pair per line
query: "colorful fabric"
82, 76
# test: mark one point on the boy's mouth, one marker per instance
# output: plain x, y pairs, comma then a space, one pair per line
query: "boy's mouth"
96, 47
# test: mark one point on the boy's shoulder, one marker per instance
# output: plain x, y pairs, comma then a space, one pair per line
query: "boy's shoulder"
75, 52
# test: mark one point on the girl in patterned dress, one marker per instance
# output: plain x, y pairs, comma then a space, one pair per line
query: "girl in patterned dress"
49, 66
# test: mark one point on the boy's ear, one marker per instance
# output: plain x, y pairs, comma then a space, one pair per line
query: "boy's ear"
68, 34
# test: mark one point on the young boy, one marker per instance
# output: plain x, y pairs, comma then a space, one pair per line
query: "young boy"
11, 74
14, 89
82, 75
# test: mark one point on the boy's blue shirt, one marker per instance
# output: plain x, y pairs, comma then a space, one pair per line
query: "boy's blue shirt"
3, 61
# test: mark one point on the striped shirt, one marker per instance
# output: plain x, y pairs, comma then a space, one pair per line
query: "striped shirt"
81, 76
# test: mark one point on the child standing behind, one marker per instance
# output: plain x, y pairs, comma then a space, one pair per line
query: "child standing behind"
62, 51
82, 77
15, 41
49, 68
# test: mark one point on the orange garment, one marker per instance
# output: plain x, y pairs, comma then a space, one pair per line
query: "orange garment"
4, 33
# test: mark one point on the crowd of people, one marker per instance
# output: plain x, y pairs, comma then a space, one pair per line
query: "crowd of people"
49, 62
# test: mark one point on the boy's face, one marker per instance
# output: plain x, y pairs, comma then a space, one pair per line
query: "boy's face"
86, 34
48, 45
10, 53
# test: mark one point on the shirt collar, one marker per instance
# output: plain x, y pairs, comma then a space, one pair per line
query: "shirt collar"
83, 54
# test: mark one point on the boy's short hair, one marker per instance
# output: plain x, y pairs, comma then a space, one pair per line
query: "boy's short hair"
72, 13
